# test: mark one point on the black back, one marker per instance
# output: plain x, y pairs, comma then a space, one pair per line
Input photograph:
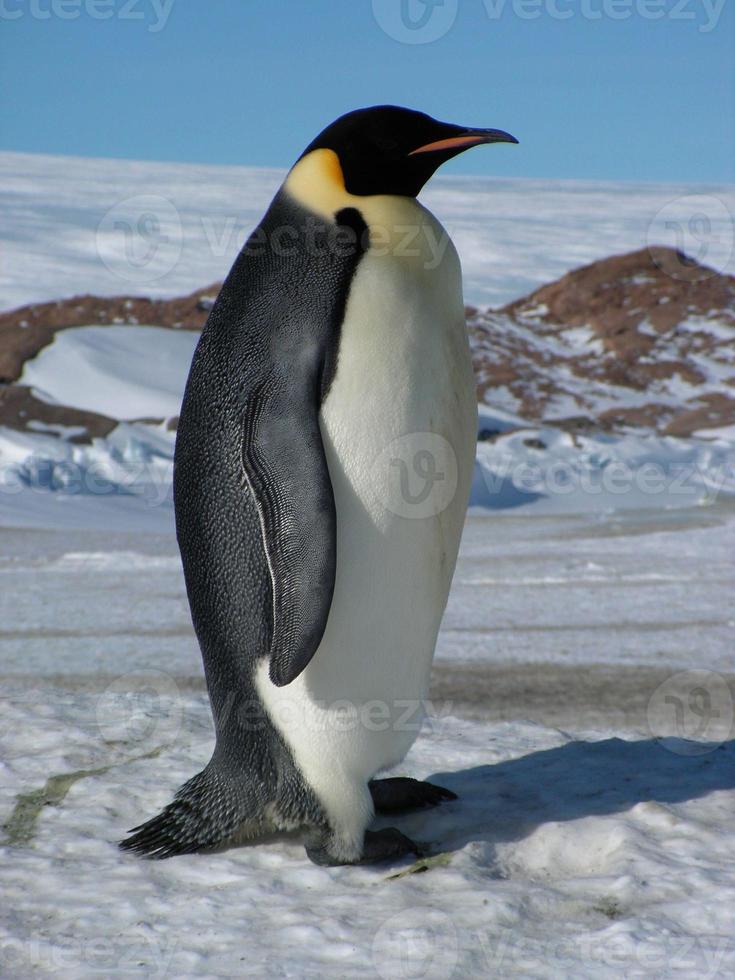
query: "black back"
255, 515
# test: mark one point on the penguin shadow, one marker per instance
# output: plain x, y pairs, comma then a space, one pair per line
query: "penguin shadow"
507, 801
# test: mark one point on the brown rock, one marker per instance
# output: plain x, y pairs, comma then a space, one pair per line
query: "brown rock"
652, 328
20, 409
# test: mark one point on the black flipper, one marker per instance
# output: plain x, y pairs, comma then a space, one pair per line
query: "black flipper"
286, 470
282, 451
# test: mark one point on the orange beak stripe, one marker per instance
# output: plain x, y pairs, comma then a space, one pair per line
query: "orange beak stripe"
453, 143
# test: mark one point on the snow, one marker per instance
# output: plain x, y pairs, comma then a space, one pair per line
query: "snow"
585, 856
720, 331
598, 473
626, 588
629, 587
582, 339
582, 703
124, 372
593, 849
71, 225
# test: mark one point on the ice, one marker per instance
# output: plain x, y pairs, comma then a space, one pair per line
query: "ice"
594, 847
61, 221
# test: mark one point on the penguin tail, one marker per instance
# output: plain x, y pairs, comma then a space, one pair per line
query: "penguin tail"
205, 811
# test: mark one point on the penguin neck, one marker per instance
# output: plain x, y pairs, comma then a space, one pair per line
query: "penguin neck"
317, 183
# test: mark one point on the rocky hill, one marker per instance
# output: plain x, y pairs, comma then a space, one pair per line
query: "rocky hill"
642, 341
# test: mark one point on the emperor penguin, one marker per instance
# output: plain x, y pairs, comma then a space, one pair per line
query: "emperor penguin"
322, 470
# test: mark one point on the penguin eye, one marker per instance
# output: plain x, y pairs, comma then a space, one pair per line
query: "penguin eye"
386, 145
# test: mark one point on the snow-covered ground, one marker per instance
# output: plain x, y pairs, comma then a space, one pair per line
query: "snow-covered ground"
600, 846
632, 588
579, 856
600, 850
113, 227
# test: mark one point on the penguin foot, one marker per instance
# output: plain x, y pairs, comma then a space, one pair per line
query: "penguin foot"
402, 793
387, 844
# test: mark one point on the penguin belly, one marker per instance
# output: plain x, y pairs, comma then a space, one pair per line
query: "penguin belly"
399, 430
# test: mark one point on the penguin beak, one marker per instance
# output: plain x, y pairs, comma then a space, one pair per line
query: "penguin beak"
471, 137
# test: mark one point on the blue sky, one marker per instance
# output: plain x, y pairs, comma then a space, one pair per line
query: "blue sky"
613, 90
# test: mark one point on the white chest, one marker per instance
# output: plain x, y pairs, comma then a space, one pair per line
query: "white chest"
399, 422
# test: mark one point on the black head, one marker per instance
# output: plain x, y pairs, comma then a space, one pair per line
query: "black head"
387, 149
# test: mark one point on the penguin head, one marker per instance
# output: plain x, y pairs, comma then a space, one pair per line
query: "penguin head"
391, 150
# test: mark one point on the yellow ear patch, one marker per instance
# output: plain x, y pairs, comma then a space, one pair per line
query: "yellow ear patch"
331, 167
317, 182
